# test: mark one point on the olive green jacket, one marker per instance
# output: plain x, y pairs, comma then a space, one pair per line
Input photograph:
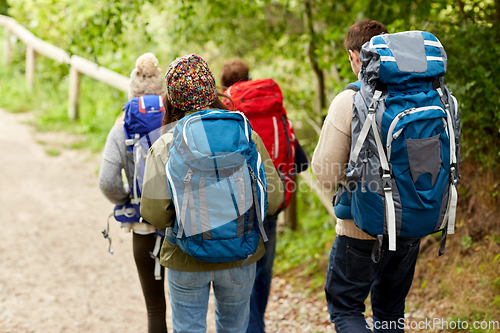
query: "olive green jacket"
158, 209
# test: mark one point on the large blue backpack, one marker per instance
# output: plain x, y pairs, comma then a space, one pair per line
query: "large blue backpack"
403, 168
218, 186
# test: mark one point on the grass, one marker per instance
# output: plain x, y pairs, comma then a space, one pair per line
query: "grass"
53, 152
302, 255
463, 284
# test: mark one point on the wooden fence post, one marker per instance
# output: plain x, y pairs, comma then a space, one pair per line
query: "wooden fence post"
291, 212
7, 50
74, 93
30, 66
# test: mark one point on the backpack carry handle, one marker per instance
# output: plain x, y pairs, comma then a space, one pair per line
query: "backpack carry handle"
261, 87
199, 117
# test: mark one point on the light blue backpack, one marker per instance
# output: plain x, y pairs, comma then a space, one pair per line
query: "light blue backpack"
403, 168
218, 186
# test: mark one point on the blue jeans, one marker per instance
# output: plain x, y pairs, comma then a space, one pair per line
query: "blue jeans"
190, 291
263, 277
352, 275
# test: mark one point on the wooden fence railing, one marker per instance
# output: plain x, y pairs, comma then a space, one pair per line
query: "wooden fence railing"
78, 65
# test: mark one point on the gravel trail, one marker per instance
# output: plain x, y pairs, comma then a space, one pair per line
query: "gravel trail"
55, 272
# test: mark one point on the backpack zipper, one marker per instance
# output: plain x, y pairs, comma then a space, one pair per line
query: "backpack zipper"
364, 169
276, 138
286, 134
393, 136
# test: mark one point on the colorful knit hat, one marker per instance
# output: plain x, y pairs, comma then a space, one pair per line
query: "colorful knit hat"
190, 83
146, 78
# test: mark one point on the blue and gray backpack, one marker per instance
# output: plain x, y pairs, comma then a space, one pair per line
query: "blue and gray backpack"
142, 126
403, 168
218, 186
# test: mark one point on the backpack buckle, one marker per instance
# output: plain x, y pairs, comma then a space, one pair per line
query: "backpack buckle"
386, 181
189, 174
252, 175
453, 173
373, 106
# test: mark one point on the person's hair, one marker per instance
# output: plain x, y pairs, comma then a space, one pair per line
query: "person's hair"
234, 70
361, 32
175, 114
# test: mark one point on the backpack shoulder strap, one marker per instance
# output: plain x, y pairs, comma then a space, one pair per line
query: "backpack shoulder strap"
356, 86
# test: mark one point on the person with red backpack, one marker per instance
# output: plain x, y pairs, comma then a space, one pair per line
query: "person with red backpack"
261, 101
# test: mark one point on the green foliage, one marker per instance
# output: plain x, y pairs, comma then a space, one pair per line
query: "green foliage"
472, 77
4, 7
466, 242
274, 37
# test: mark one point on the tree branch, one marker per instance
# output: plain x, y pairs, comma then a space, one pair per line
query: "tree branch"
466, 16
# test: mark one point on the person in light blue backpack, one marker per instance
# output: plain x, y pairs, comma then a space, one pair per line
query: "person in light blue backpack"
397, 179
210, 182
146, 91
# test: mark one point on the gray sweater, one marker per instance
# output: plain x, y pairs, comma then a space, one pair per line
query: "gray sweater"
114, 158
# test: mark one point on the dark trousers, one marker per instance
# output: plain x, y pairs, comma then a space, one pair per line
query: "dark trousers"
352, 275
263, 277
153, 290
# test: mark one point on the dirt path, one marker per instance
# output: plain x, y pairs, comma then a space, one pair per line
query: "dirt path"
55, 272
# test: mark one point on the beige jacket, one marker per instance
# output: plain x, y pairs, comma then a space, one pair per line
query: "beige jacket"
157, 207
331, 156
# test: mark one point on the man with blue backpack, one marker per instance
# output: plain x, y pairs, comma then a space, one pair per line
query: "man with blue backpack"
391, 143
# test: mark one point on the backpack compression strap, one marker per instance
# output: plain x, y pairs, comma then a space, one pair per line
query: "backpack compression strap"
138, 154
257, 205
386, 176
451, 209
187, 199
154, 255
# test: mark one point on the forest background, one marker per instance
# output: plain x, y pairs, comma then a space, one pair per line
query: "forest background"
299, 43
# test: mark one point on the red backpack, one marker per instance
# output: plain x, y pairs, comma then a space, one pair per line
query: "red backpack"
262, 102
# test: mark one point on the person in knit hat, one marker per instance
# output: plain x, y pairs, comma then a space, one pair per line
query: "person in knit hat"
145, 79
191, 88
190, 83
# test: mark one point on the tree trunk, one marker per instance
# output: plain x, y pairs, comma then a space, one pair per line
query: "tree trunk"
291, 212
497, 14
311, 48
